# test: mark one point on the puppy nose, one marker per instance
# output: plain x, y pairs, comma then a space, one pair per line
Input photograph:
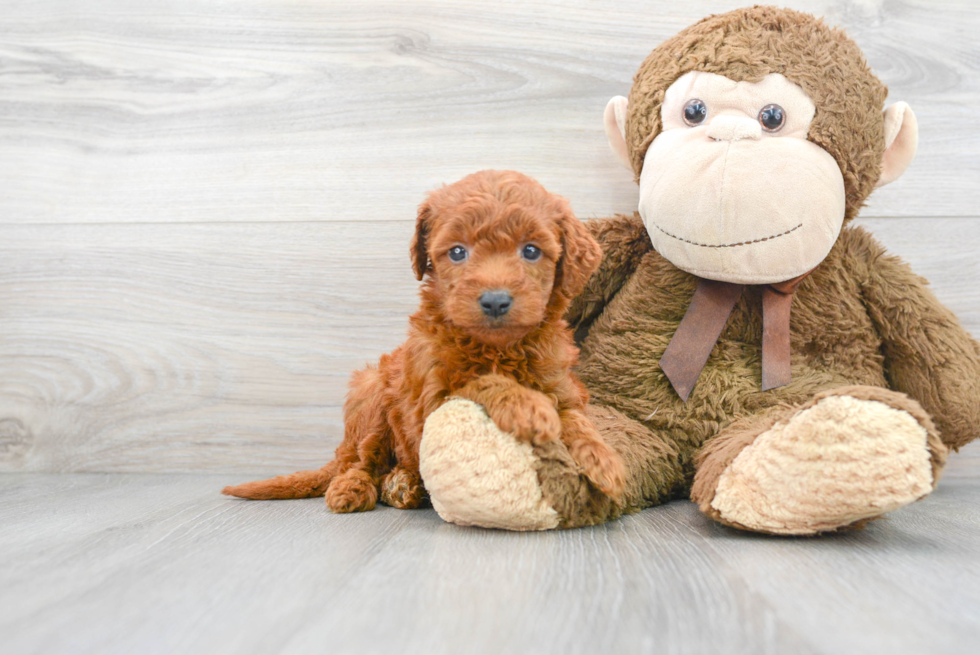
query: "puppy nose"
733, 128
495, 303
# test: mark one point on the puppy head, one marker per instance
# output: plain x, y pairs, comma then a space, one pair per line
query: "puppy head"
502, 254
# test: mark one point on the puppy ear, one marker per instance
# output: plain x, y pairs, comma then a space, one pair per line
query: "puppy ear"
580, 256
419, 247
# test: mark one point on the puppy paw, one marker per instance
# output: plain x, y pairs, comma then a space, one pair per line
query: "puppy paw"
402, 489
354, 491
535, 422
602, 465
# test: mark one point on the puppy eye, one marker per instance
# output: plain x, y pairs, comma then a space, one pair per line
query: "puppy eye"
772, 118
531, 253
695, 112
457, 253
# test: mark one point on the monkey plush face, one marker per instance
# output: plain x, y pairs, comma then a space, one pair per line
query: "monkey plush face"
754, 136
731, 189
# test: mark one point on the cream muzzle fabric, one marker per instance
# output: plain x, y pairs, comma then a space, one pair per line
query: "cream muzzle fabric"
727, 200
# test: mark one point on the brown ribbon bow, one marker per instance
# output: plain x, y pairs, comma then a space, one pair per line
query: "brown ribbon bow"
713, 302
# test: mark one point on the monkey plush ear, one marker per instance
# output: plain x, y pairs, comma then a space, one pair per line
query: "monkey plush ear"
615, 122
901, 141
418, 249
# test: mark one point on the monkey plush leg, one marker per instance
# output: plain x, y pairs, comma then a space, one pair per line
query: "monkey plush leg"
848, 456
531, 417
476, 474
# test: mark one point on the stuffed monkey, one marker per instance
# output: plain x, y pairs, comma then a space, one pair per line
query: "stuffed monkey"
742, 343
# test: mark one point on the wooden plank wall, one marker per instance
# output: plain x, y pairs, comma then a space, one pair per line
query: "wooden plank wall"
205, 207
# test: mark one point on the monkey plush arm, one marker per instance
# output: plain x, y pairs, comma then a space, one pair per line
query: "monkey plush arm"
928, 354
624, 241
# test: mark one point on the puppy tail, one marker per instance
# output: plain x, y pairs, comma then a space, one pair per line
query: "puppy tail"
302, 484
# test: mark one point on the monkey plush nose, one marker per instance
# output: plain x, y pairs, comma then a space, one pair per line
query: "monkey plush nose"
495, 303
733, 128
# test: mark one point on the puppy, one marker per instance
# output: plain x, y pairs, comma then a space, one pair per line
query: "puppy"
501, 258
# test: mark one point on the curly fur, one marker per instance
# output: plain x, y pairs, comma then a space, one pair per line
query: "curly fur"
517, 366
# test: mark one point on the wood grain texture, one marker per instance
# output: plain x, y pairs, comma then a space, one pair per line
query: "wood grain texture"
204, 220
227, 347
137, 346
287, 110
110, 563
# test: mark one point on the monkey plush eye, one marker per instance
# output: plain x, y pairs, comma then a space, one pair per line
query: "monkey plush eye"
695, 112
772, 118
531, 253
457, 253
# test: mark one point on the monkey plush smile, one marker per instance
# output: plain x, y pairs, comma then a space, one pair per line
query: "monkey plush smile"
740, 340
749, 164
731, 189
728, 245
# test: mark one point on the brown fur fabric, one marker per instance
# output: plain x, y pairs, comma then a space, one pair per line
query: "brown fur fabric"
862, 325
653, 472
862, 318
746, 45
517, 365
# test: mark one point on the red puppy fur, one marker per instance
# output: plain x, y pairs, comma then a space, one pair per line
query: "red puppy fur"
501, 258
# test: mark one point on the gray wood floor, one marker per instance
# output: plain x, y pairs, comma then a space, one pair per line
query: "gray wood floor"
205, 211
145, 563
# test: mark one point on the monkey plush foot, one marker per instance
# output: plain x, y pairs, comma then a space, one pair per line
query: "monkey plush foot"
849, 456
478, 475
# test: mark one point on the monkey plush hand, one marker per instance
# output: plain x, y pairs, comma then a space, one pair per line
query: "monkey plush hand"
741, 342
